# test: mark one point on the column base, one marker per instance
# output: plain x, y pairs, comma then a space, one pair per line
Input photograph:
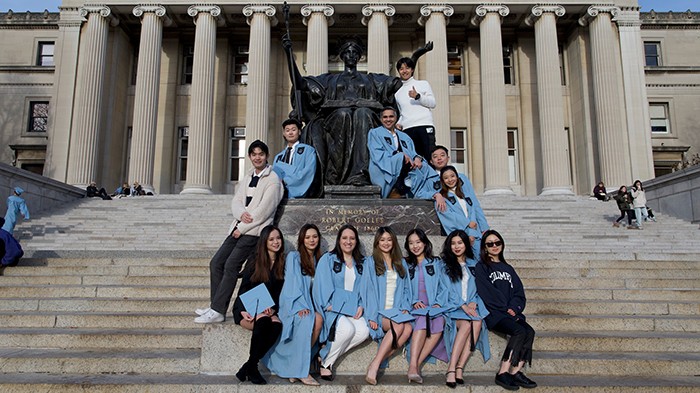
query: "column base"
557, 191
196, 190
499, 191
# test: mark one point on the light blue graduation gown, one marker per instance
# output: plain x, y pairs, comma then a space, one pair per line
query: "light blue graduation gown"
298, 175
468, 191
424, 182
291, 356
385, 161
455, 304
402, 296
330, 275
15, 206
453, 218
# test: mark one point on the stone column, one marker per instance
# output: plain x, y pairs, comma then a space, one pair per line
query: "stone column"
557, 180
377, 18
201, 100
493, 99
260, 18
317, 17
635, 93
435, 18
143, 139
613, 144
84, 149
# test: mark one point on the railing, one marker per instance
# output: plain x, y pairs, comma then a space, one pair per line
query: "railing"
676, 194
40, 193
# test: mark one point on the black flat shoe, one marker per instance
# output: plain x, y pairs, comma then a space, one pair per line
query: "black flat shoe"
448, 383
242, 373
521, 380
254, 375
505, 380
459, 381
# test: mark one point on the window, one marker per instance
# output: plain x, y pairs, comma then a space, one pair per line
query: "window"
236, 156
652, 54
458, 146
239, 61
454, 64
183, 136
187, 64
659, 118
44, 55
513, 164
38, 116
508, 75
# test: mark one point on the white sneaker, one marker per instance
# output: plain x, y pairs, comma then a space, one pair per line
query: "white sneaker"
202, 311
210, 316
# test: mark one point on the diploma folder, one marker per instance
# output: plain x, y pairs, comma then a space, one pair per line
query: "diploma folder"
431, 311
257, 299
396, 315
344, 302
460, 314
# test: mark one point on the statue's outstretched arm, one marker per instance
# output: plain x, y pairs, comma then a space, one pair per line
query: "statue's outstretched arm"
421, 51
294, 73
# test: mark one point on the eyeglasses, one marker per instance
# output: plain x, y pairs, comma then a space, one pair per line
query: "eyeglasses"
494, 244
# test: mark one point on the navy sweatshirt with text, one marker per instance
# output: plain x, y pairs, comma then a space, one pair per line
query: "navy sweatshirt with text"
500, 288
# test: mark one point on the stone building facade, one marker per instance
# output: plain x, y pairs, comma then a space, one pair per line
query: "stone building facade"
532, 99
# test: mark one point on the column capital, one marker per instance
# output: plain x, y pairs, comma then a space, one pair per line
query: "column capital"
100, 9
594, 10
326, 9
370, 9
540, 9
213, 10
484, 9
427, 10
268, 10
157, 9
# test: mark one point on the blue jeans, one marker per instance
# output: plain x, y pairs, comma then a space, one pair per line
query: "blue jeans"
641, 214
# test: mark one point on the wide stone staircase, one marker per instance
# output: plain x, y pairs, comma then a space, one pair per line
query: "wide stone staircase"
104, 302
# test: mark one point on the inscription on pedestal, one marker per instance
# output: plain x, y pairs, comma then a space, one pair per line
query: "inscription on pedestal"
366, 215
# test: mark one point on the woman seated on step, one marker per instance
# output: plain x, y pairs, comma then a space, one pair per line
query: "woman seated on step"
301, 323
267, 269
428, 290
463, 326
502, 291
340, 292
386, 312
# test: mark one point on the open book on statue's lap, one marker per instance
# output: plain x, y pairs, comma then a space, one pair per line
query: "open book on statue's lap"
257, 299
344, 302
396, 315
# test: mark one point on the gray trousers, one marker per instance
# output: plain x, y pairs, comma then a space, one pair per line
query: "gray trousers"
225, 266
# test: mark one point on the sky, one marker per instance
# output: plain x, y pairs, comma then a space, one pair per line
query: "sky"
52, 5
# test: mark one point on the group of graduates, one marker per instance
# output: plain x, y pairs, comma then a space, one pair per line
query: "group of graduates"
325, 304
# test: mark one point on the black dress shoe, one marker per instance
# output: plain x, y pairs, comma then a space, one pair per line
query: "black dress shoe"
449, 384
505, 380
521, 380
460, 381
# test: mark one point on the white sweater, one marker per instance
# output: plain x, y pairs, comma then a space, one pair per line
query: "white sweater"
415, 112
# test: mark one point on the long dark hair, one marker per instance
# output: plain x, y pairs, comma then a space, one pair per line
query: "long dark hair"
640, 184
452, 267
356, 253
458, 189
394, 254
308, 262
262, 264
427, 251
483, 253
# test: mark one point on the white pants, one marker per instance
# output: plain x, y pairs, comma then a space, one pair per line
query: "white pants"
349, 333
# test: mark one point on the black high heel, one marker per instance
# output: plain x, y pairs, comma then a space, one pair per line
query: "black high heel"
330, 377
242, 373
450, 384
460, 381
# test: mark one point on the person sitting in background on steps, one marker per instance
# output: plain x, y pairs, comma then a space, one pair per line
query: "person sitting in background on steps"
500, 288
122, 191
92, 192
624, 203
600, 193
267, 269
253, 205
10, 250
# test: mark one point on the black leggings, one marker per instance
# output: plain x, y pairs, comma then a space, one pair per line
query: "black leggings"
519, 346
265, 334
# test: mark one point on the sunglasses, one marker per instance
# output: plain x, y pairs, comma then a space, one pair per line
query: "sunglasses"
494, 244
